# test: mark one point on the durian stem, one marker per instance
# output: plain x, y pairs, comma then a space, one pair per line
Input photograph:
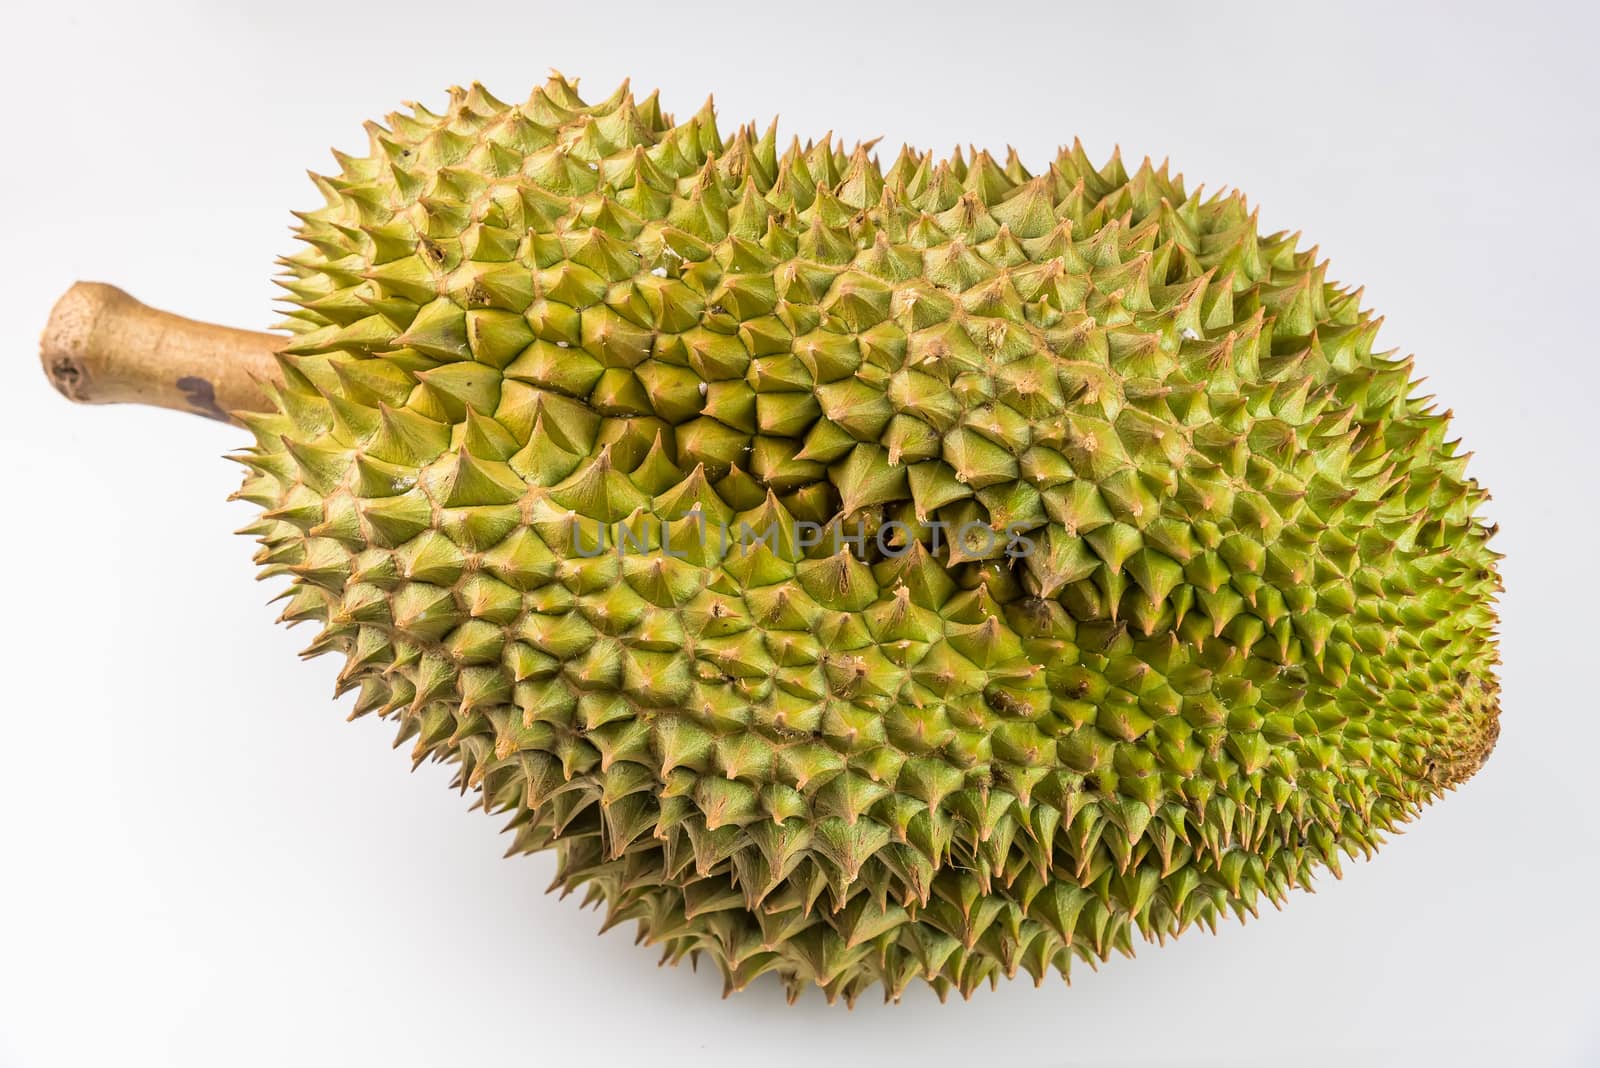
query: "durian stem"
103, 347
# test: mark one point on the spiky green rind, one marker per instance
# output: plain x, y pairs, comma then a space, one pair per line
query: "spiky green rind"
1253, 632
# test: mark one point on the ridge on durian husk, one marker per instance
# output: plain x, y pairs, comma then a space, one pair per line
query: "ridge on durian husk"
1256, 631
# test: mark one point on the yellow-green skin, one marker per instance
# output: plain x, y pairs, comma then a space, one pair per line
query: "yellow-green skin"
1254, 629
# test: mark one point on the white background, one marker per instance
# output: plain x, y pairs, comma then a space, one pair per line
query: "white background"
201, 863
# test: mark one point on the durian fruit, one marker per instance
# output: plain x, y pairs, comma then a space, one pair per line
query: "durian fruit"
867, 574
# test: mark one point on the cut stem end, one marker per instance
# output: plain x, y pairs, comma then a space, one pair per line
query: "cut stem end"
101, 346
